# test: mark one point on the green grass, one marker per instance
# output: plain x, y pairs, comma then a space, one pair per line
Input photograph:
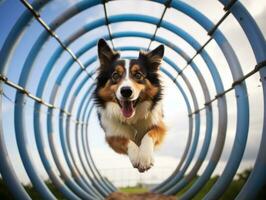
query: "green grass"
6, 194
230, 193
133, 190
202, 192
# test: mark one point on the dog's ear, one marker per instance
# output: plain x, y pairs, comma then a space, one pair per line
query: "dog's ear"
105, 53
153, 58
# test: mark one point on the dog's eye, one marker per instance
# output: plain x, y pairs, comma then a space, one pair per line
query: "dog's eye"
138, 76
115, 76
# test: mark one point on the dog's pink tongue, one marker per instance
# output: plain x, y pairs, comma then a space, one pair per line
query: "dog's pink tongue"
127, 108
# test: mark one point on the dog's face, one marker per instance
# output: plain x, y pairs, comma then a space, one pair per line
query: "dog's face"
128, 82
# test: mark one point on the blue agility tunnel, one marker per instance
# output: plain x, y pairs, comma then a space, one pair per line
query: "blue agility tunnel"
70, 107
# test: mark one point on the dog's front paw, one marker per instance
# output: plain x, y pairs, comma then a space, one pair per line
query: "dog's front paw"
133, 154
146, 154
145, 162
134, 159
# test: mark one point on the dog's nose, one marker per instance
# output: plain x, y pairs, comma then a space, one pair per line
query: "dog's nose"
126, 92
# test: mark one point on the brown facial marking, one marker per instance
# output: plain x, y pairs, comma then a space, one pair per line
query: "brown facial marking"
138, 86
135, 68
157, 133
118, 144
107, 93
149, 91
120, 69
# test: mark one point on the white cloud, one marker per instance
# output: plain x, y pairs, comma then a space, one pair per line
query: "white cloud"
257, 8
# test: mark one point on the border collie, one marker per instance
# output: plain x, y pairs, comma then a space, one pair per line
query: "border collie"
128, 98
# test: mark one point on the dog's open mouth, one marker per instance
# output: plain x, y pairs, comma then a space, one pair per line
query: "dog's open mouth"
128, 107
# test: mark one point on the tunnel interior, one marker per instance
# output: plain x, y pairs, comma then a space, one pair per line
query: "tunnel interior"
48, 66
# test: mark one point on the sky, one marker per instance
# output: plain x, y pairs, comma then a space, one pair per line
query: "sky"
168, 155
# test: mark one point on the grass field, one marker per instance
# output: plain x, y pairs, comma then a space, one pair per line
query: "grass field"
230, 193
133, 190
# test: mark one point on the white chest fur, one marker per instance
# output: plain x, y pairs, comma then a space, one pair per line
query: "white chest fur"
115, 124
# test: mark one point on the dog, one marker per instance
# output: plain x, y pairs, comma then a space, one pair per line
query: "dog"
128, 97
